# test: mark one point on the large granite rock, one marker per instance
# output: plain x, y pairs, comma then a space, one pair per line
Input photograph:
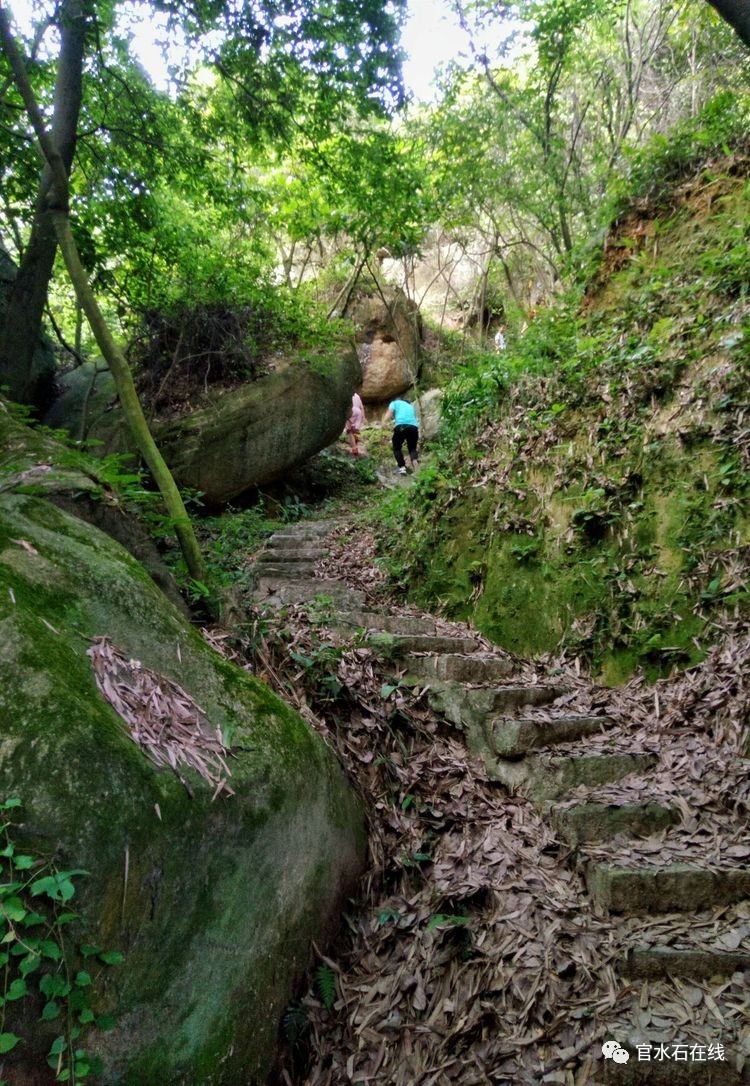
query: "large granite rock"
248, 436
388, 343
254, 434
214, 904
35, 461
428, 409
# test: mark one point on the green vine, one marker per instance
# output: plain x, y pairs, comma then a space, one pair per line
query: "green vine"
36, 959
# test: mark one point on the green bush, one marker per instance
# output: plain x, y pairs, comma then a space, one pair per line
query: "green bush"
721, 125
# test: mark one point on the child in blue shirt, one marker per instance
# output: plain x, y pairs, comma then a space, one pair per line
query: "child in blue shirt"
406, 429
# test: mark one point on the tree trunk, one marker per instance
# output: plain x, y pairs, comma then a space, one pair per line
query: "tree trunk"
562, 216
21, 328
131, 405
737, 14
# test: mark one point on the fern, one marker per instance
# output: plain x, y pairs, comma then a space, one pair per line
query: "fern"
325, 980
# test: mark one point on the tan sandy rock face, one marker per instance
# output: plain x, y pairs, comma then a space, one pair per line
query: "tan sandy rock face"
386, 371
388, 344
428, 409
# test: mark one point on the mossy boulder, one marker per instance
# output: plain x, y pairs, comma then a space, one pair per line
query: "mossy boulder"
34, 461
214, 904
236, 439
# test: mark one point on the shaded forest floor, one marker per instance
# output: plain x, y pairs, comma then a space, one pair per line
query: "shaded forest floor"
473, 953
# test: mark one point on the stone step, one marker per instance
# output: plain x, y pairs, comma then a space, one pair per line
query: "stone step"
602, 821
658, 962
314, 530
395, 624
277, 591
464, 669
543, 777
292, 554
433, 643
289, 570
466, 707
296, 542
508, 737
675, 888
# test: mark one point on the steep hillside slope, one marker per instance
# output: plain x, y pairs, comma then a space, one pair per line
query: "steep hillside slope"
597, 496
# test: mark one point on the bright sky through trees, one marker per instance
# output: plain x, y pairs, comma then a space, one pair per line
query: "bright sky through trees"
432, 36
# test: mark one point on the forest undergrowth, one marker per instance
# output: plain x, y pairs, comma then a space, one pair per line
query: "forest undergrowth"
591, 485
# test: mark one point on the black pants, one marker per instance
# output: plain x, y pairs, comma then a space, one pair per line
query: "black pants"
408, 434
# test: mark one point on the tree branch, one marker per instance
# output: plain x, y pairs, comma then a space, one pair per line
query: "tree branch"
80, 360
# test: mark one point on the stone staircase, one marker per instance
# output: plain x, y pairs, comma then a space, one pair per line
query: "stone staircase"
538, 755
285, 571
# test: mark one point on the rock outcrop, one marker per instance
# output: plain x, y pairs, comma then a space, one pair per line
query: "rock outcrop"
428, 410
35, 461
214, 904
388, 343
254, 434
243, 437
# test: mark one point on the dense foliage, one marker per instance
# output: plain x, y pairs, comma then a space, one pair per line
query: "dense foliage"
273, 158
527, 149
173, 194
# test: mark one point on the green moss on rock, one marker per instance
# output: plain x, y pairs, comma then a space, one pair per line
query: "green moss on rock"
221, 900
623, 600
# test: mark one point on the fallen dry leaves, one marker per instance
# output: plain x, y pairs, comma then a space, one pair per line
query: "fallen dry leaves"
161, 717
473, 954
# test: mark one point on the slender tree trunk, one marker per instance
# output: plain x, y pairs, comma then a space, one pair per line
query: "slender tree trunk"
341, 304
482, 299
21, 328
288, 262
131, 405
562, 216
737, 14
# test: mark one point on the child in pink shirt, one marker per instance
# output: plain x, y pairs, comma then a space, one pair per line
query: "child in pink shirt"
355, 423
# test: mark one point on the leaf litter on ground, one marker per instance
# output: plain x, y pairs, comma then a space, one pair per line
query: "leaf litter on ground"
472, 953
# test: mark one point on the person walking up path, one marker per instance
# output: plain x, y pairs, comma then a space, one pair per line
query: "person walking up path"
406, 429
355, 423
